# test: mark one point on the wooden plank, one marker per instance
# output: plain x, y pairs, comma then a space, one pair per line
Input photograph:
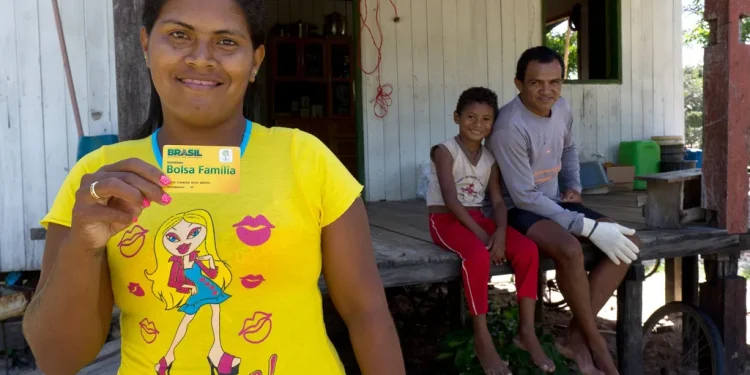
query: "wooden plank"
74, 26
663, 64
673, 176
508, 46
637, 40
602, 124
112, 68
536, 21
672, 246
31, 122
495, 74
421, 84
11, 192
589, 146
647, 66
455, 72
389, 73
479, 26
576, 103
677, 126
53, 98
614, 122
664, 205
436, 79
523, 32
407, 136
626, 89
97, 68
625, 198
374, 139
621, 213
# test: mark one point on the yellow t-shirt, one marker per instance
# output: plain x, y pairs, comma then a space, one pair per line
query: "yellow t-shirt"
261, 301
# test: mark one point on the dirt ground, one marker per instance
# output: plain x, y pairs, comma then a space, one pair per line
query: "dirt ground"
423, 317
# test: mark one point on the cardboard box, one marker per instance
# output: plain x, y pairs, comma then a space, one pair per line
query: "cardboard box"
622, 177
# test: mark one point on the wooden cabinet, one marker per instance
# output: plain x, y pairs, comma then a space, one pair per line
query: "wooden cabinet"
312, 89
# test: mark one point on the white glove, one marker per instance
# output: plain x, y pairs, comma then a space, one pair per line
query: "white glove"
610, 238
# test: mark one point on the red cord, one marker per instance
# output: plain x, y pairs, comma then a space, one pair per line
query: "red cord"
383, 97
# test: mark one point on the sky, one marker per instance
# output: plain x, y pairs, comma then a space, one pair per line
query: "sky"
690, 55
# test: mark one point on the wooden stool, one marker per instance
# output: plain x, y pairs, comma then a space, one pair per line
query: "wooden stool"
673, 198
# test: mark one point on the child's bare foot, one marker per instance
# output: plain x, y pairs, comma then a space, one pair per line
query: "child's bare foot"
488, 357
578, 353
527, 341
602, 358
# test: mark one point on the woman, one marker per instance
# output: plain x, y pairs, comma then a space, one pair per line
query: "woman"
230, 279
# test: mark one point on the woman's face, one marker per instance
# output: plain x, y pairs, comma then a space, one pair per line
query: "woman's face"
201, 58
183, 238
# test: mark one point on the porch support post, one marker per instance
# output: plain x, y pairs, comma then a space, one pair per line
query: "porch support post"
723, 297
629, 322
726, 120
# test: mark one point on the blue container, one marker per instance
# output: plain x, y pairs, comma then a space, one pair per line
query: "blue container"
87, 144
593, 175
695, 154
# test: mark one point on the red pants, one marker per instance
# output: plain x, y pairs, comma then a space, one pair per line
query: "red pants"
522, 253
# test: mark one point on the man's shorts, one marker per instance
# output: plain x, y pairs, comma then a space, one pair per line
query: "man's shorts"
522, 220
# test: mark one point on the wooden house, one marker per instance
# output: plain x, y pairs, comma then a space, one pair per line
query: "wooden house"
629, 86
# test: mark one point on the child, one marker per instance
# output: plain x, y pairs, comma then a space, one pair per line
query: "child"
462, 172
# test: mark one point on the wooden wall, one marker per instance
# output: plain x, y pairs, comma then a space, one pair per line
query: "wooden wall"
37, 128
441, 47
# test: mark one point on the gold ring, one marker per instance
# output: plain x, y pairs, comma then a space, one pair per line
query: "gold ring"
92, 190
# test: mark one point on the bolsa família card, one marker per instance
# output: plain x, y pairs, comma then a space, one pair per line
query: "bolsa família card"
202, 169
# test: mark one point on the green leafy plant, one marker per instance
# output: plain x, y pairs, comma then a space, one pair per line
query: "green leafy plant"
458, 346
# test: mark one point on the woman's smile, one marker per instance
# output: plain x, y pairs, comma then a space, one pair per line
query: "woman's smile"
200, 84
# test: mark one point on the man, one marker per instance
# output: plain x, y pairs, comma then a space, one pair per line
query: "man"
534, 147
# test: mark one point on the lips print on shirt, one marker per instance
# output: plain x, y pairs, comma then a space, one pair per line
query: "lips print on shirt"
255, 330
271, 366
254, 231
132, 241
252, 281
148, 331
136, 290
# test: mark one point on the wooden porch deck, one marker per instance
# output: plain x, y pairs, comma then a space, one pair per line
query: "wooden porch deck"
406, 255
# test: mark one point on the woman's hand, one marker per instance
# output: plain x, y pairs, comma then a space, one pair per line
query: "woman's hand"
496, 245
123, 189
193, 289
211, 263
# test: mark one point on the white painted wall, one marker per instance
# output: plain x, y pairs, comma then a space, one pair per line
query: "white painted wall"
38, 136
441, 47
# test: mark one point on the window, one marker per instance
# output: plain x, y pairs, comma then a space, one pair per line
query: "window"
587, 34
745, 29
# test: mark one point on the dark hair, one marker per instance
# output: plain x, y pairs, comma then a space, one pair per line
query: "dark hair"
541, 54
255, 13
477, 95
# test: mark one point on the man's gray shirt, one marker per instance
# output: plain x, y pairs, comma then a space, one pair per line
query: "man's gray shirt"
532, 152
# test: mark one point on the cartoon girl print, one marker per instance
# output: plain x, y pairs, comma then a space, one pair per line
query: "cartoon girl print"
197, 277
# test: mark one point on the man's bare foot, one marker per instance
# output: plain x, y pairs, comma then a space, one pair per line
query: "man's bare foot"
488, 357
527, 341
578, 353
